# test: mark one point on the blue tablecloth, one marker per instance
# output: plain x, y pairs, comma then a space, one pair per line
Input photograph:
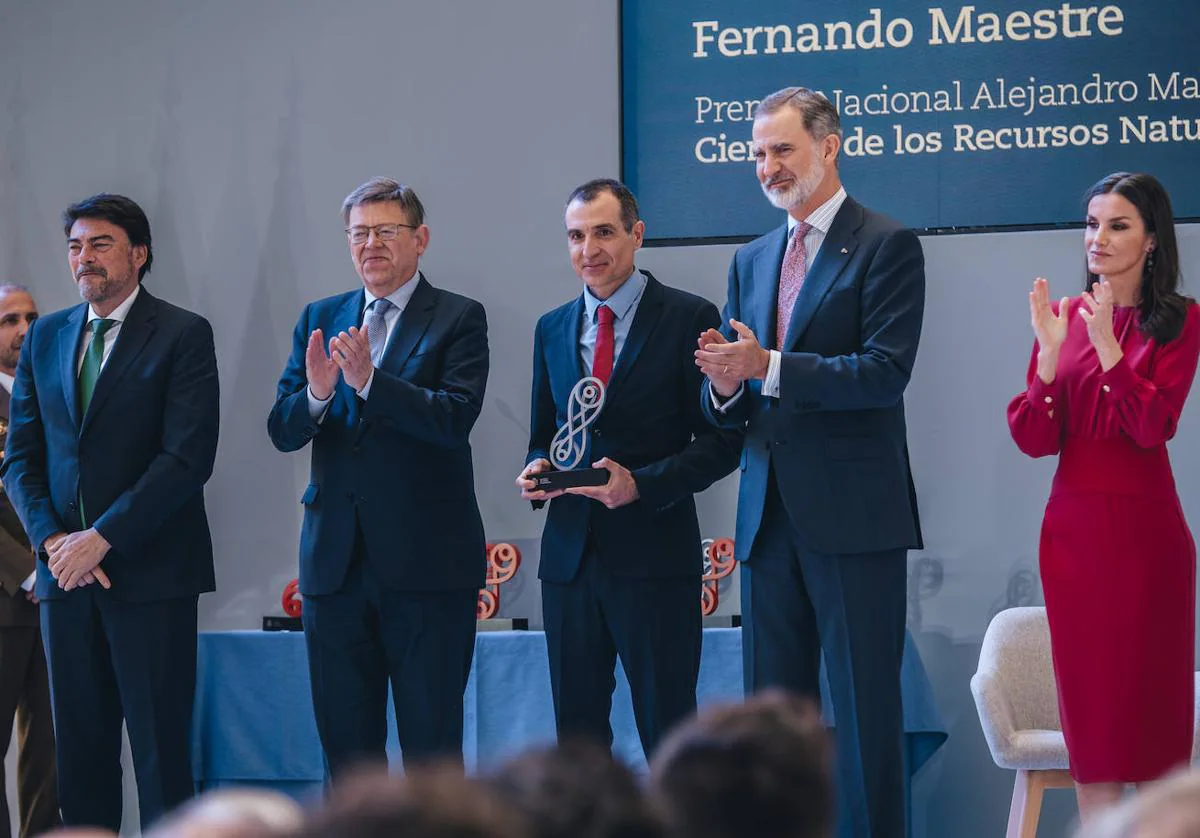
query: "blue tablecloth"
254, 722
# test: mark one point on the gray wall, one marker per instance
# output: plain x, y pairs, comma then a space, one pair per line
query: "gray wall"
241, 125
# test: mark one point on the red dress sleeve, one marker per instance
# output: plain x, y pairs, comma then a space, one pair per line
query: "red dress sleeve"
1036, 417
1147, 408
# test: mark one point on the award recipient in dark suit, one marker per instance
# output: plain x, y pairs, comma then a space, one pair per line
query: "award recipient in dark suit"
392, 548
823, 315
24, 682
621, 563
112, 436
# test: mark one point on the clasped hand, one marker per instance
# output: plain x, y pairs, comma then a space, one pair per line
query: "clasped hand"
349, 354
74, 558
727, 364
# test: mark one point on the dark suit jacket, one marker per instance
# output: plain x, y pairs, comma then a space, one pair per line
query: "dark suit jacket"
836, 438
401, 460
16, 557
141, 455
650, 424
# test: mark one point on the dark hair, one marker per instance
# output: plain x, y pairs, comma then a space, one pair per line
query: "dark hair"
380, 190
762, 768
430, 801
1163, 310
119, 210
577, 790
818, 113
588, 192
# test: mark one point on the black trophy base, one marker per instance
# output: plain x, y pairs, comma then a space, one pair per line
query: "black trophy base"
273, 623
551, 481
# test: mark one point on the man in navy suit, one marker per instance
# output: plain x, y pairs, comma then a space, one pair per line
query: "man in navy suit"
392, 548
112, 436
822, 323
621, 563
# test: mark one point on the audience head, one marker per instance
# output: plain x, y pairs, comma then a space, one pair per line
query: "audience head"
576, 790
1167, 809
762, 769
232, 813
431, 801
17, 313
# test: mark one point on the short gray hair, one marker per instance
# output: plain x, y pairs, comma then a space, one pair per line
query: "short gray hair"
381, 190
819, 115
13, 288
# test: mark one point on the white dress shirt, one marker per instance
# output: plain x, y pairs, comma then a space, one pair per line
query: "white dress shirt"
110, 337
819, 222
399, 300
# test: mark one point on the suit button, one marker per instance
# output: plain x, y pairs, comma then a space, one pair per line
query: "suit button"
781, 442
71, 506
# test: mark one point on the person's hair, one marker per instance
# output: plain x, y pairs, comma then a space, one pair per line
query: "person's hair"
119, 210
761, 768
430, 801
13, 288
1169, 808
587, 192
234, 813
1162, 310
380, 190
577, 790
818, 113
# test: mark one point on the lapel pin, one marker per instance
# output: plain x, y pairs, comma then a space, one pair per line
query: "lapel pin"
844, 250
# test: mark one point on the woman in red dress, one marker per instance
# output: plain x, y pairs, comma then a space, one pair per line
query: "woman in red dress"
1110, 372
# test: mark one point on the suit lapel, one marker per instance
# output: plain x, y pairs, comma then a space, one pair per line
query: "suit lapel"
68, 353
836, 251
646, 317
766, 293
567, 356
414, 322
135, 331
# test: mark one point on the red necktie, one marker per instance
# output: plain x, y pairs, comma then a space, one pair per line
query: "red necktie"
791, 277
602, 361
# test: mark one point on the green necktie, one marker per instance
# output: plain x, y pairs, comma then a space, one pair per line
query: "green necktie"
88, 373
90, 370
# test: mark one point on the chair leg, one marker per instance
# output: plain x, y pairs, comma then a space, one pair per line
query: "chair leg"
1026, 805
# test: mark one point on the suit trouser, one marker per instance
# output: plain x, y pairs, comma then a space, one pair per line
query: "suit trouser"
797, 603
654, 626
364, 635
112, 660
25, 694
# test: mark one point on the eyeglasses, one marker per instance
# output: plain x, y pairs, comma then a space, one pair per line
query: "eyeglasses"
383, 232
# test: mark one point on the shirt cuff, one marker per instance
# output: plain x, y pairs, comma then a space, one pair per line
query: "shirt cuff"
27, 585
770, 386
1043, 396
366, 388
1119, 380
722, 404
317, 407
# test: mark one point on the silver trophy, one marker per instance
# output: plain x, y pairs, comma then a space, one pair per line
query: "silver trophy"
570, 444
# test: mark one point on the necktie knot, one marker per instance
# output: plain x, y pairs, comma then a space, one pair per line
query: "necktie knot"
798, 233
100, 325
605, 316
381, 306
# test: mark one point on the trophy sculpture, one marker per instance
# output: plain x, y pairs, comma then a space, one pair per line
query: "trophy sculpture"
571, 442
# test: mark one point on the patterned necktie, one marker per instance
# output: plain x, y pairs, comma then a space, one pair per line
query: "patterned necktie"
602, 361
377, 328
791, 277
89, 371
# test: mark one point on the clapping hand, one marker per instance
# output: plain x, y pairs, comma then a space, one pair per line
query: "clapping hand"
1097, 312
1050, 328
319, 368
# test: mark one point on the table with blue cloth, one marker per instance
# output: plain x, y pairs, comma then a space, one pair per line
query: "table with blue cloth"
254, 722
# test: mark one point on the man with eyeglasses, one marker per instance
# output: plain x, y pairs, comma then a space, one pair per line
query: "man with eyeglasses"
386, 382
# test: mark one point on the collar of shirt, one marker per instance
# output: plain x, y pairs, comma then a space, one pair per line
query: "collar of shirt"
822, 217
7, 381
120, 312
399, 298
621, 301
